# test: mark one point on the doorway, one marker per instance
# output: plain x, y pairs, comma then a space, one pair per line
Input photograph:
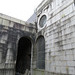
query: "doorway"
23, 55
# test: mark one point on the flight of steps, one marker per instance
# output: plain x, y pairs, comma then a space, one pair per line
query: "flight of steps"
27, 72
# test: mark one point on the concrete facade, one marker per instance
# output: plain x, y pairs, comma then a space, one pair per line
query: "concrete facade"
59, 33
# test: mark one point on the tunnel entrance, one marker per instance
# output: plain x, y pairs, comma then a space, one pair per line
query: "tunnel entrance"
23, 55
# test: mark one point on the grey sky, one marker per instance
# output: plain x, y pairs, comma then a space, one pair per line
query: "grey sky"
21, 9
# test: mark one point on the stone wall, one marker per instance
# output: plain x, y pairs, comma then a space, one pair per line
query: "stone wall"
11, 30
43, 72
59, 33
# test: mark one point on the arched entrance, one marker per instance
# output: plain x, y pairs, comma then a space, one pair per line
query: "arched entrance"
40, 45
23, 55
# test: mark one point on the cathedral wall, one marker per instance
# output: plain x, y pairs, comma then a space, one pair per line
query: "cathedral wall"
59, 34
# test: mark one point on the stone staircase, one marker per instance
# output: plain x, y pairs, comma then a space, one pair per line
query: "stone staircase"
27, 72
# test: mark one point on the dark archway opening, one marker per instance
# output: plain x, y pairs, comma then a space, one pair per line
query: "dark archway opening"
24, 55
40, 45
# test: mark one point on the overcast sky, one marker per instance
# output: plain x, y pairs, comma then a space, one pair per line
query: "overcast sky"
21, 9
